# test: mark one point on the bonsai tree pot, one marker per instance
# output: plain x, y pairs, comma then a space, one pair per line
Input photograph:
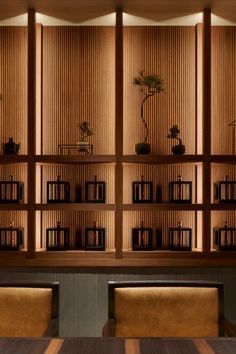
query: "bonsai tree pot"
143, 148
178, 149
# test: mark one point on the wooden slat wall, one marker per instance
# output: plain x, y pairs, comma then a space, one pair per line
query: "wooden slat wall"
160, 175
13, 85
78, 220
170, 52
18, 172
223, 89
18, 217
218, 172
161, 220
77, 175
78, 84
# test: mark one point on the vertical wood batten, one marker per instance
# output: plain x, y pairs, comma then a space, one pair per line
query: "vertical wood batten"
119, 131
206, 129
31, 130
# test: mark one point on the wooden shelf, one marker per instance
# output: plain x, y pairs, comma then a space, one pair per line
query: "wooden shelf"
162, 159
227, 159
162, 206
74, 206
76, 159
94, 260
222, 206
162, 254
9, 159
14, 206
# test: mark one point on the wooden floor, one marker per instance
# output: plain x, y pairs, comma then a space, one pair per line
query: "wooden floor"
117, 346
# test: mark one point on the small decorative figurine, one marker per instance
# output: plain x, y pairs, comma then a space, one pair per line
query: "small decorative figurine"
227, 191
58, 191
95, 191
94, 238
180, 238
142, 191
11, 238
57, 238
142, 238
11, 191
180, 191
11, 148
178, 149
225, 238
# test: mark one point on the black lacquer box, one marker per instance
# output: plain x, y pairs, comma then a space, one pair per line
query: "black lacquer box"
180, 238
94, 238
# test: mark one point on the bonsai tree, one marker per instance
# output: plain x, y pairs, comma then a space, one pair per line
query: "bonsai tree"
178, 149
85, 131
150, 85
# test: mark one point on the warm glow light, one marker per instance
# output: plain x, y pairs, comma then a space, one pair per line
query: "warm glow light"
190, 20
219, 21
107, 20
20, 20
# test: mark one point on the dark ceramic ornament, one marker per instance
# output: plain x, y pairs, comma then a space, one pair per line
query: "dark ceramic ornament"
143, 148
11, 148
178, 149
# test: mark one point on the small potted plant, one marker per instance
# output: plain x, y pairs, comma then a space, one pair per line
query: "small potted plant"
178, 149
150, 85
11, 148
85, 131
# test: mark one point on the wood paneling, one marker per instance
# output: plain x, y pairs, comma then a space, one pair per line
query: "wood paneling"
76, 175
13, 85
161, 176
77, 221
170, 52
161, 220
78, 84
223, 89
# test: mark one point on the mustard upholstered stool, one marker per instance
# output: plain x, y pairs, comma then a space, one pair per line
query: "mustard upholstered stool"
29, 309
166, 309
